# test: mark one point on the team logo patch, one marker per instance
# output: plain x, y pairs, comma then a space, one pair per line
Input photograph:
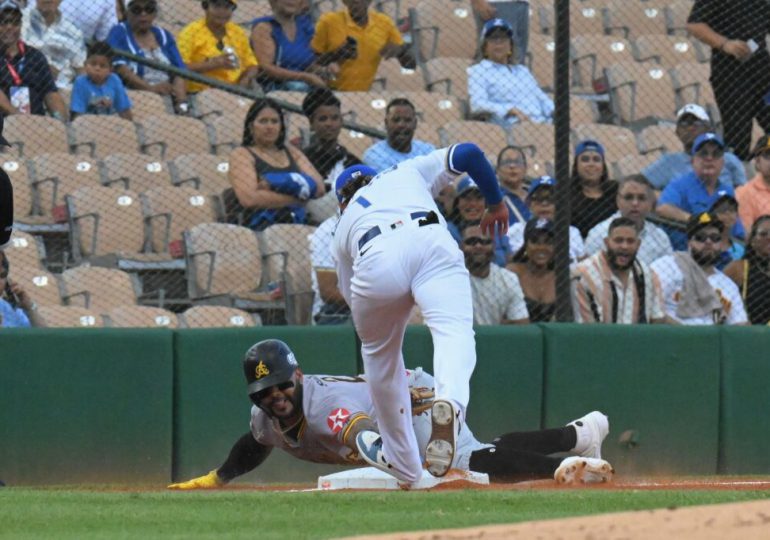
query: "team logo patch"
261, 370
337, 419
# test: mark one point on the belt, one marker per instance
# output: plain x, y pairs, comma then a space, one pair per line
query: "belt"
426, 218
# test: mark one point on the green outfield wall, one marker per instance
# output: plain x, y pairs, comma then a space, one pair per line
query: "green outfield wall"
146, 406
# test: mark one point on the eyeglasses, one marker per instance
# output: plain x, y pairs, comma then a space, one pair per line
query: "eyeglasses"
512, 163
628, 197
149, 9
584, 158
702, 237
704, 153
542, 199
690, 122
758, 234
477, 241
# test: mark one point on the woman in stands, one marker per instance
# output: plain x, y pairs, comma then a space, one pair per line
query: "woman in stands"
593, 193
501, 88
139, 35
281, 43
533, 264
270, 179
512, 172
752, 272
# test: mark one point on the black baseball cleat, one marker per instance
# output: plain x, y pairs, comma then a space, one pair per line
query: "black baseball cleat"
445, 420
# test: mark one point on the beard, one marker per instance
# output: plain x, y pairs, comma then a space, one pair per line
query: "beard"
705, 257
612, 259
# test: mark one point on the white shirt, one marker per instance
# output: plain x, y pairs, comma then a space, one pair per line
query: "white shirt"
321, 256
94, 18
62, 44
576, 248
654, 241
497, 296
672, 280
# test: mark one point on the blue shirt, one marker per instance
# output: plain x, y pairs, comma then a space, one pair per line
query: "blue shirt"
674, 164
121, 37
13, 318
108, 98
511, 199
295, 55
496, 88
381, 155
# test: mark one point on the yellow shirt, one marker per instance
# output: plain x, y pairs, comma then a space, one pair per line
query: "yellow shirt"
356, 74
196, 43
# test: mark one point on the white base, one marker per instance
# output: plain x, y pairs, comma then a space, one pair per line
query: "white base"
371, 478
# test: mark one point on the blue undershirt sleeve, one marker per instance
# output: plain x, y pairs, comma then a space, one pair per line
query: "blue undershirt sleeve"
469, 158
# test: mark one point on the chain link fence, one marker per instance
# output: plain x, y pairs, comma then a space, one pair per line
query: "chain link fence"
173, 211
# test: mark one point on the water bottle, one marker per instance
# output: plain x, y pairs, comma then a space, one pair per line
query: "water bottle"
230, 52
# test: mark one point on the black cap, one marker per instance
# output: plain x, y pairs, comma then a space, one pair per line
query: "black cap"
536, 227
701, 221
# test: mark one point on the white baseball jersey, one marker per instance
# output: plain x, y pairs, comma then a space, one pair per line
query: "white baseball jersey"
332, 404
321, 256
672, 280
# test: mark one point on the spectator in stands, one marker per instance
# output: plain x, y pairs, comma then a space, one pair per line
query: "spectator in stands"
515, 12
754, 197
540, 199
752, 273
740, 64
593, 193
281, 43
17, 309
99, 90
26, 83
57, 38
725, 208
612, 286
497, 295
694, 291
94, 18
511, 172
635, 201
139, 35
469, 207
400, 123
691, 121
217, 47
533, 264
358, 39
270, 179
329, 306
500, 87
697, 191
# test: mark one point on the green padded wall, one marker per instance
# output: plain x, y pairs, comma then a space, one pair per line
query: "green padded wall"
658, 385
211, 408
745, 439
85, 406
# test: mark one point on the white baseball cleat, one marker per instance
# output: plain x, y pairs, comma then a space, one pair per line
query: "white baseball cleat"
591, 431
445, 420
582, 470
369, 444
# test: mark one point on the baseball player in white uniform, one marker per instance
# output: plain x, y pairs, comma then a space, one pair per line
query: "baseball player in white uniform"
317, 418
393, 251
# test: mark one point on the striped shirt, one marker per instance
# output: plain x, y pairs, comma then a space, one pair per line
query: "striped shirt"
598, 295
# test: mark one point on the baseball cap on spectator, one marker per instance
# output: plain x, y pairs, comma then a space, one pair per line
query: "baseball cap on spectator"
704, 138
722, 196
494, 24
465, 185
763, 144
701, 221
540, 182
10, 5
537, 227
589, 146
350, 174
695, 110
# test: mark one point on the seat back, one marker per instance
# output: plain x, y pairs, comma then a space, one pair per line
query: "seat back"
214, 102
628, 165
96, 135
640, 91
443, 28
538, 139
25, 250
171, 210
391, 77
227, 133
18, 172
70, 317
55, 175
137, 172
170, 136
33, 135
633, 19
448, 75
617, 141
205, 172
140, 317
666, 50
585, 18
540, 59
659, 138
676, 14
491, 138
97, 288
591, 54
41, 285
218, 317
145, 103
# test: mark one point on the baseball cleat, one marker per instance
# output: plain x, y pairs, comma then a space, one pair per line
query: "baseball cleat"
591, 431
581, 470
369, 445
440, 452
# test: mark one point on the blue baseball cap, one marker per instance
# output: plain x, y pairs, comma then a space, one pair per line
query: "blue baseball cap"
540, 181
704, 138
494, 24
589, 146
465, 185
349, 174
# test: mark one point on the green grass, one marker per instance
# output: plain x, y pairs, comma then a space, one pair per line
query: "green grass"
63, 513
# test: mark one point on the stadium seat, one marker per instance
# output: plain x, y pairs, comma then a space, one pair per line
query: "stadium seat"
205, 172
97, 135
286, 251
591, 54
633, 19
398, 10
582, 111
448, 75
659, 139
25, 250
170, 136
435, 108
136, 172
364, 108
215, 102
540, 57
55, 175
218, 317
391, 77
491, 138
628, 165
691, 85
140, 317
297, 126
144, 104
98, 288
640, 92
665, 50
676, 14
617, 141
70, 317
41, 285
170, 210
443, 28
355, 141
537, 139
226, 133
23, 203
248, 10
585, 18
33, 134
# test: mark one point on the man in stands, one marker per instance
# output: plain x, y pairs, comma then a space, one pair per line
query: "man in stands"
400, 124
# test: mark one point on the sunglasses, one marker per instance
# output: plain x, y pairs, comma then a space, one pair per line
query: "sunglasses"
512, 163
690, 122
477, 241
542, 200
588, 159
702, 237
628, 197
715, 154
149, 9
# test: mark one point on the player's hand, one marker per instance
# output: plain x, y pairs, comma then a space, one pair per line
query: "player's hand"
495, 218
737, 48
210, 481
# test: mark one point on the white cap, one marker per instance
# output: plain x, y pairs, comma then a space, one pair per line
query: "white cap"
694, 109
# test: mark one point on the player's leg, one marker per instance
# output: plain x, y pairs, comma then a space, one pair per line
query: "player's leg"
504, 464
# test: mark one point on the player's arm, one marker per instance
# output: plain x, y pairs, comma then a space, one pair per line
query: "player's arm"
246, 455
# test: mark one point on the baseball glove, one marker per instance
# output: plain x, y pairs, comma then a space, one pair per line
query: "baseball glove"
422, 399
209, 481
